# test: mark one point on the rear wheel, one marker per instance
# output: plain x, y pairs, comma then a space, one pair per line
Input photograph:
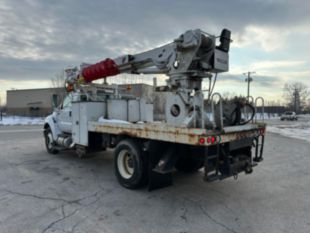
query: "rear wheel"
49, 142
130, 164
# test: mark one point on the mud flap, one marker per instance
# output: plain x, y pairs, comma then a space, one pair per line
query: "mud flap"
161, 163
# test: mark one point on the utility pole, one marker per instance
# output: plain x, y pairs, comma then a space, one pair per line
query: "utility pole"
296, 100
248, 80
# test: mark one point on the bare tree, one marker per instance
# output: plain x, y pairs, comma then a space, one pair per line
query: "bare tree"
229, 95
296, 95
58, 80
307, 108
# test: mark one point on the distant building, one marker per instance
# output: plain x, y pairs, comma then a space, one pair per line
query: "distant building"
32, 102
272, 109
38, 102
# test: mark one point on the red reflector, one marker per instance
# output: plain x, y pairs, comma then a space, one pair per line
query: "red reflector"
262, 131
202, 141
211, 140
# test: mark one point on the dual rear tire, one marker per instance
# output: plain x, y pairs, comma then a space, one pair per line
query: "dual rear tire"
131, 164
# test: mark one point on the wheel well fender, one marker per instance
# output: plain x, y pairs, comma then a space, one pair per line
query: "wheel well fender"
49, 123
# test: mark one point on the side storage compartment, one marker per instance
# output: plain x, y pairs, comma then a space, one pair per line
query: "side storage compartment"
133, 110
82, 113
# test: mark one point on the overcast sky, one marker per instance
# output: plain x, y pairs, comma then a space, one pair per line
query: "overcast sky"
39, 38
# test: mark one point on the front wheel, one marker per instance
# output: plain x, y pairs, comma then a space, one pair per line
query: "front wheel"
49, 142
130, 164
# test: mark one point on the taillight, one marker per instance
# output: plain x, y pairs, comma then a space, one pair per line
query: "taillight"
262, 131
211, 140
202, 141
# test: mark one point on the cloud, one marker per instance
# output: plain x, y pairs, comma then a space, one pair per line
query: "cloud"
267, 65
13, 69
72, 29
240, 79
39, 38
268, 38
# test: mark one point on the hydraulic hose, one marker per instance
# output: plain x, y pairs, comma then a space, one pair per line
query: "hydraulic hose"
237, 113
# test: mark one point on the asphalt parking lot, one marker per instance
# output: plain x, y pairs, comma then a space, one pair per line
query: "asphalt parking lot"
40, 192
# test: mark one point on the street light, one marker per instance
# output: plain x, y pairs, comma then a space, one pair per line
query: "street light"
248, 80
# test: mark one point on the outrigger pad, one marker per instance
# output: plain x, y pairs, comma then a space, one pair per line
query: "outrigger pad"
158, 180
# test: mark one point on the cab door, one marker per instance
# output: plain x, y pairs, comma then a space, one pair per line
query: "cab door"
64, 115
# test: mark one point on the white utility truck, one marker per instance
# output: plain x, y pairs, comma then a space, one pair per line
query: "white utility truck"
184, 128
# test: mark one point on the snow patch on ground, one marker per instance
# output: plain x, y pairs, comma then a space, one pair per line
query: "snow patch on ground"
18, 120
295, 129
291, 132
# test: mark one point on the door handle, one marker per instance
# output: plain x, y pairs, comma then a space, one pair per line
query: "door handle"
70, 113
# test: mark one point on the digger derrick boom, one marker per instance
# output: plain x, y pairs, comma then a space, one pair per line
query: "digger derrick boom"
193, 54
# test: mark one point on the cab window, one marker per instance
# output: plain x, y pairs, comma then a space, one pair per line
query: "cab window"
67, 101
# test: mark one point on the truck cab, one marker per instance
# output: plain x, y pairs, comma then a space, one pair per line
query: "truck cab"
58, 125
64, 114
